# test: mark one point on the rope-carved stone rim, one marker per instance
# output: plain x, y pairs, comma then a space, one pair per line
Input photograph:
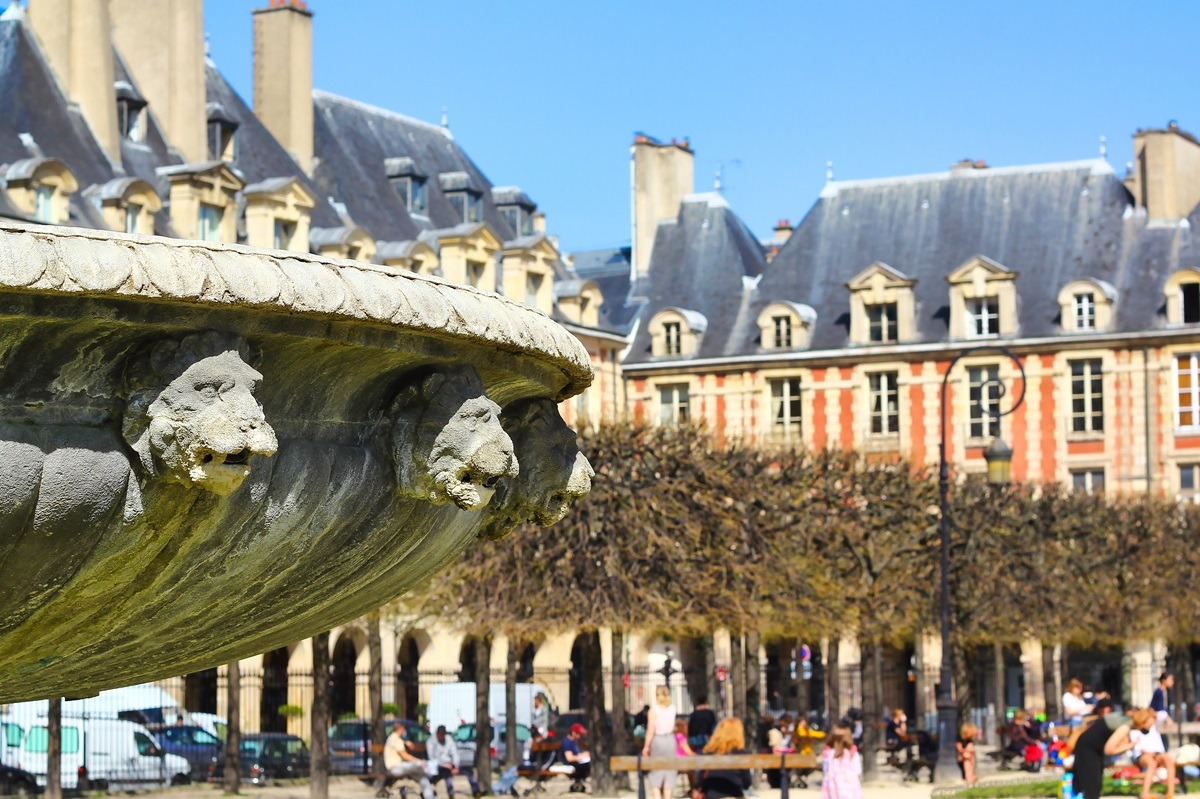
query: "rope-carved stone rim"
104, 264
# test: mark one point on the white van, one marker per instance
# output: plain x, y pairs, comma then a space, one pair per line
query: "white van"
117, 755
145, 704
11, 734
453, 703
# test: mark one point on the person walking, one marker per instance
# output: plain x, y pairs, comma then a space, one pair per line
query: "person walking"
660, 742
1159, 703
842, 765
1103, 738
701, 723
400, 763
729, 738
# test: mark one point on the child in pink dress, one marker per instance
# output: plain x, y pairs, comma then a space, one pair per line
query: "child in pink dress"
842, 766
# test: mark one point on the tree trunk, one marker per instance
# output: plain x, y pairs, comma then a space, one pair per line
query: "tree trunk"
998, 685
963, 664
754, 736
1049, 681
737, 676
1187, 684
318, 784
54, 749
1064, 671
593, 701
710, 673
620, 733
833, 684
872, 709
483, 718
512, 753
233, 728
375, 694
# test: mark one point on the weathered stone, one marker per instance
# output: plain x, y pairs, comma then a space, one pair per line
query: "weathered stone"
207, 452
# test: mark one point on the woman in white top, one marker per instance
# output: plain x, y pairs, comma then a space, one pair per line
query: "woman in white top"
1074, 706
660, 742
1150, 753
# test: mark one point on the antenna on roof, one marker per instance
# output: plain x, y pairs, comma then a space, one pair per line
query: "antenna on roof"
829, 172
717, 185
1104, 148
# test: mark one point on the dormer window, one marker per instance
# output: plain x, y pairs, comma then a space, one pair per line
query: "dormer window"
475, 273
672, 338
533, 287
882, 322
983, 300
519, 219
43, 210
983, 317
283, 235
1083, 308
516, 208
783, 331
882, 307
130, 116
1086, 305
468, 205
676, 332
222, 130
208, 227
133, 213
786, 325
412, 193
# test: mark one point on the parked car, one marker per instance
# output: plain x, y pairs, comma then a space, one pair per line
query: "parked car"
350, 744
119, 756
15, 782
190, 742
211, 723
464, 738
267, 756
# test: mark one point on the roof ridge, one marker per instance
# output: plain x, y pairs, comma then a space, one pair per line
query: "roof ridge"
1098, 166
319, 94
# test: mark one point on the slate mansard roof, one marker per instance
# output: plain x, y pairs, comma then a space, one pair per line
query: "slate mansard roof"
1051, 224
357, 145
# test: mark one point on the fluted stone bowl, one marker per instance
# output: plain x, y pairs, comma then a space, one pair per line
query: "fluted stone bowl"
209, 451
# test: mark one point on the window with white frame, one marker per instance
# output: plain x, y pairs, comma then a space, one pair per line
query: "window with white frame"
984, 391
468, 205
1084, 306
673, 403
983, 317
1088, 481
43, 210
884, 399
1189, 482
782, 325
283, 234
1087, 396
132, 212
1187, 390
412, 193
785, 408
209, 228
881, 322
672, 338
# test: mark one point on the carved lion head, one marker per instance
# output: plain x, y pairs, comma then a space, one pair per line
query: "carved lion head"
447, 442
192, 416
554, 473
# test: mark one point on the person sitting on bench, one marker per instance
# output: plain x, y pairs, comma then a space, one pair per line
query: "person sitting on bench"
579, 759
400, 763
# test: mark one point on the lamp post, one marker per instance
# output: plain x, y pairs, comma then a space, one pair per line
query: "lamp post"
999, 463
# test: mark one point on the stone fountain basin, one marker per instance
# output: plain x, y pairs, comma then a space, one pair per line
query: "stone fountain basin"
361, 419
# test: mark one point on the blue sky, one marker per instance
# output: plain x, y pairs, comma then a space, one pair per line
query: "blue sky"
547, 95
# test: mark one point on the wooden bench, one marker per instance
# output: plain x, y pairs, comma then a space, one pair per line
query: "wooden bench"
760, 762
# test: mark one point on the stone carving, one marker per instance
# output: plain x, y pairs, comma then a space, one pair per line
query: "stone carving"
447, 441
554, 473
192, 416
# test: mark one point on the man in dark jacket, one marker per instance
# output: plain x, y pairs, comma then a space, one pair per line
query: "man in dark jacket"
701, 723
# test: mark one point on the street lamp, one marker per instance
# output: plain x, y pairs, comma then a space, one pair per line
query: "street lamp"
999, 466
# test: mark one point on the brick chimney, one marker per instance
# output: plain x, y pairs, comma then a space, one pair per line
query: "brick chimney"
283, 78
783, 231
74, 35
663, 174
162, 43
1166, 172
